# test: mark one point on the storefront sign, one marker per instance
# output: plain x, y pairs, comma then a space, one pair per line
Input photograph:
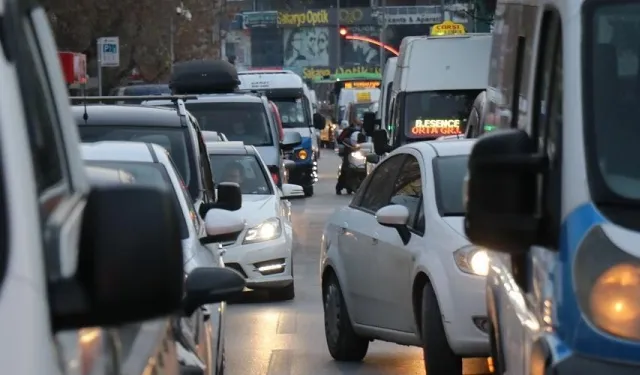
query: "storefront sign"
413, 15
362, 85
429, 128
309, 18
259, 19
319, 72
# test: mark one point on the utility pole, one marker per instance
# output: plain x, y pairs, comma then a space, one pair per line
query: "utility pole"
383, 29
339, 37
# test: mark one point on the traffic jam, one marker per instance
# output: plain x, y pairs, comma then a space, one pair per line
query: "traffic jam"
449, 216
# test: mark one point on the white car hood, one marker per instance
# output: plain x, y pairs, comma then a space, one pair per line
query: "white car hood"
456, 223
257, 208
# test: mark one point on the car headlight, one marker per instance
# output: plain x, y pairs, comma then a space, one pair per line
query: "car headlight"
267, 230
607, 285
614, 301
302, 154
358, 155
473, 260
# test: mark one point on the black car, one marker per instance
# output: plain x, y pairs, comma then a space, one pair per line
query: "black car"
172, 128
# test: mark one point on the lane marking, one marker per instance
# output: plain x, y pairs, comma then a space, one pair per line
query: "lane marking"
287, 323
280, 362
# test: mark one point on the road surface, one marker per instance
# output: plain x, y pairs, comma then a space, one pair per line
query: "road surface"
287, 338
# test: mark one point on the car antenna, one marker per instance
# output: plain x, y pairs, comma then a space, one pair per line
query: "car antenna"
85, 115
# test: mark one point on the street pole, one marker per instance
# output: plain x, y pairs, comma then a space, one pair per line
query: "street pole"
171, 32
383, 29
442, 4
99, 68
339, 43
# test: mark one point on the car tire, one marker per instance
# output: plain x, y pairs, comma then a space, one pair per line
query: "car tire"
308, 191
284, 294
223, 364
439, 358
342, 341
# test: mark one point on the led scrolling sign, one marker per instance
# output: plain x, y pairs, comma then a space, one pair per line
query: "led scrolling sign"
431, 128
362, 85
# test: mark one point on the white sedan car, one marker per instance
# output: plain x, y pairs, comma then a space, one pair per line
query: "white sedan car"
201, 335
262, 253
396, 265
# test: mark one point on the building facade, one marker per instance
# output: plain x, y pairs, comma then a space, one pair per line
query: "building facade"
303, 35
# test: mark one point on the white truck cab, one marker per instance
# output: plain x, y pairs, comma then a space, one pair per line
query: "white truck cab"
557, 190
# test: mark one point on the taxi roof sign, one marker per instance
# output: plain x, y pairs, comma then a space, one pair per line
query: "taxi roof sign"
448, 28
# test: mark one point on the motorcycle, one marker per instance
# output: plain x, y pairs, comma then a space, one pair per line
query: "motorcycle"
357, 171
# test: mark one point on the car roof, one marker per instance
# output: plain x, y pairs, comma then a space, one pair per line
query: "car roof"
136, 115
230, 148
449, 147
124, 151
212, 98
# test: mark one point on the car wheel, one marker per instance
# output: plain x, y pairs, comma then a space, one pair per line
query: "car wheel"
343, 343
283, 294
439, 358
308, 191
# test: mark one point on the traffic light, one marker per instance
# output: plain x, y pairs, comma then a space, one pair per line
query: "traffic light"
343, 31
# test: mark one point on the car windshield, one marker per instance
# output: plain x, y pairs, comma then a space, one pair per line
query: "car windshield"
292, 112
612, 89
361, 108
173, 140
152, 175
239, 121
244, 170
449, 173
432, 114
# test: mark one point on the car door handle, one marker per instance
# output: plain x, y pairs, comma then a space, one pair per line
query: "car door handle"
221, 252
343, 230
374, 241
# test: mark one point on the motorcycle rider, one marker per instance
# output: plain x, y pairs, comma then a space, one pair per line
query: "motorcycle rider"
348, 139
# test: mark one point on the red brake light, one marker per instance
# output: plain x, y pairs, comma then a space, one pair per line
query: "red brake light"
275, 177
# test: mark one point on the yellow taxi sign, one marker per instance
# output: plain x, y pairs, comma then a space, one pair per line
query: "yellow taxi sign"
448, 28
363, 96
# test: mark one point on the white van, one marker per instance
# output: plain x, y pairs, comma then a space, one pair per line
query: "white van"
385, 92
348, 96
293, 99
566, 209
437, 78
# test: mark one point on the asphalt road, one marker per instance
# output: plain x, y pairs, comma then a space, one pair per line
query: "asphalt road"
287, 338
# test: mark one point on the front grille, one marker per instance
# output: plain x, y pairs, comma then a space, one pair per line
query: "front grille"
236, 267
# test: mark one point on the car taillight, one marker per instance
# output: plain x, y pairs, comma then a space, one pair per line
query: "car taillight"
275, 177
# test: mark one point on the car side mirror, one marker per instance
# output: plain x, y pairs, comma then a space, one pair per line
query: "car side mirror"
380, 142
120, 237
373, 158
229, 196
221, 226
369, 122
318, 121
291, 140
205, 285
292, 191
501, 191
395, 216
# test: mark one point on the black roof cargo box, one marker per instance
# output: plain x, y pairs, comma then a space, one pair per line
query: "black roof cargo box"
204, 77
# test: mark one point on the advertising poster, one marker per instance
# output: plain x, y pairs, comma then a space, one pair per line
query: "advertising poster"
356, 52
305, 47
